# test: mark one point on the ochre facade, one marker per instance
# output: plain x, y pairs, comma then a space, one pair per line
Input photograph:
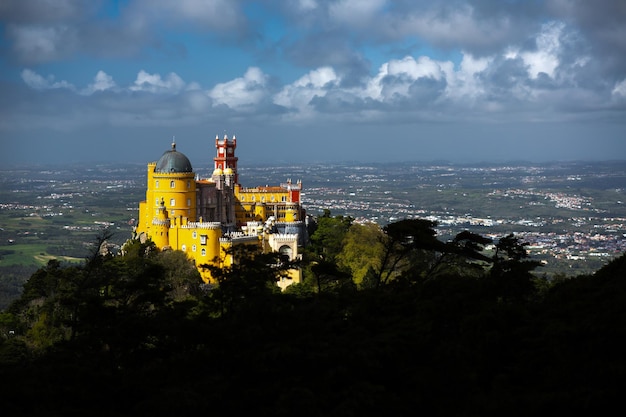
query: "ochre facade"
205, 217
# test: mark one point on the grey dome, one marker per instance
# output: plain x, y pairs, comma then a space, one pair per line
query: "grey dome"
173, 161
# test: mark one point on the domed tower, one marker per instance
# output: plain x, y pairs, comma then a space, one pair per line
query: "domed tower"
171, 186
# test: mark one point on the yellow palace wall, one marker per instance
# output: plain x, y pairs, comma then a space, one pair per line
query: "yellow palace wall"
257, 204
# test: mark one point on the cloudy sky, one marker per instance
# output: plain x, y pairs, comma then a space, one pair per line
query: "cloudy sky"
313, 80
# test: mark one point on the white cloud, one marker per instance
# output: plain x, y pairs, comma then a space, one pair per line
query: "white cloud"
155, 84
299, 94
465, 83
101, 82
620, 89
545, 58
241, 92
396, 76
506, 82
36, 81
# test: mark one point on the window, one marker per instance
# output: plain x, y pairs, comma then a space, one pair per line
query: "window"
203, 252
157, 202
272, 198
172, 202
156, 184
194, 235
189, 202
263, 199
183, 248
243, 198
188, 184
203, 239
252, 198
193, 248
172, 184
283, 198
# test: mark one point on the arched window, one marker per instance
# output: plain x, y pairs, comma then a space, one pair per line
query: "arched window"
172, 184
172, 202
193, 248
194, 234
183, 248
156, 184
203, 252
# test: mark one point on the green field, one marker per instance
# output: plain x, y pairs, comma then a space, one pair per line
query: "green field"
58, 213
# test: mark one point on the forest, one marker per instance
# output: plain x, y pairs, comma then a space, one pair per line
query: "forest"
387, 321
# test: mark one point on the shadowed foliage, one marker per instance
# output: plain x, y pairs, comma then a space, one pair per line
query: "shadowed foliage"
451, 330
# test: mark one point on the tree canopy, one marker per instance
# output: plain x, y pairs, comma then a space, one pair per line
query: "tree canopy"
443, 328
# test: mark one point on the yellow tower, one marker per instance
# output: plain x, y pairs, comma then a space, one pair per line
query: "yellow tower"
171, 184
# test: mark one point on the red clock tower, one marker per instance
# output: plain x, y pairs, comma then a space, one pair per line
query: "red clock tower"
226, 155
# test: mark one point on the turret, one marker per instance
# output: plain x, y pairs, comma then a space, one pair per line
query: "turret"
218, 178
160, 227
229, 176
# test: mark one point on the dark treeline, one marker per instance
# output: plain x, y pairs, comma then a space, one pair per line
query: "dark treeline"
386, 322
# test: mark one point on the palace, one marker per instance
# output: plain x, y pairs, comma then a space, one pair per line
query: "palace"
207, 217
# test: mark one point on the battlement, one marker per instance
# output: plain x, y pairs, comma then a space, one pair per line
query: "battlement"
202, 225
284, 237
238, 237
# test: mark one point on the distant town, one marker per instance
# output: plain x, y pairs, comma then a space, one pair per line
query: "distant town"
572, 215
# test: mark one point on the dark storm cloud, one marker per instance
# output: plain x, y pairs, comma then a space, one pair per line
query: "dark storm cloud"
45, 11
503, 76
603, 24
420, 93
480, 27
328, 49
44, 30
